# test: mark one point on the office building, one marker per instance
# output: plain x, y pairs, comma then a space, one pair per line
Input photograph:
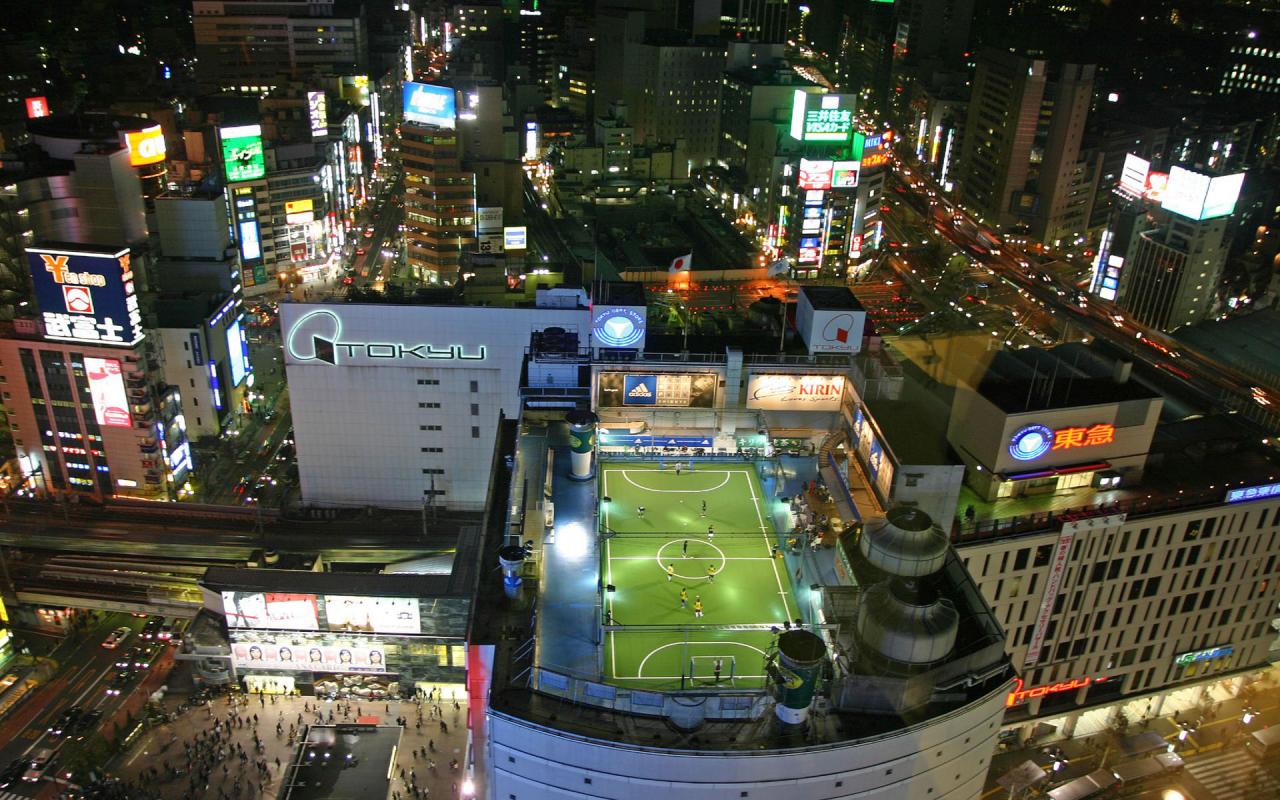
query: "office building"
1172, 270
249, 46
439, 201
1019, 163
429, 385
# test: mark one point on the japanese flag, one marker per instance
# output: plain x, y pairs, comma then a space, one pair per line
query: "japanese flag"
682, 264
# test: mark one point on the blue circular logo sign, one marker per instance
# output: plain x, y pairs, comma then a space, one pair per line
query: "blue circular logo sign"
618, 327
1031, 442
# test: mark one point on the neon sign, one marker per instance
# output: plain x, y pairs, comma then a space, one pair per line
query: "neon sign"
1187, 659
326, 329
1020, 695
618, 326
1253, 493
1032, 441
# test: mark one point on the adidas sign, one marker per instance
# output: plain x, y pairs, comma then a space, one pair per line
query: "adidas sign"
640, 390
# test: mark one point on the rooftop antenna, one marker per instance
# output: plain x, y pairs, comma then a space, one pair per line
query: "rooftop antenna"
1026, 406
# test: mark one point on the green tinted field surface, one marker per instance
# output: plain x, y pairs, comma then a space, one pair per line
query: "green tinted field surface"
750, 587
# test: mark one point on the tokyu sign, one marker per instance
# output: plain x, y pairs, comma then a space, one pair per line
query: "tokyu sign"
1032, 441
317, 336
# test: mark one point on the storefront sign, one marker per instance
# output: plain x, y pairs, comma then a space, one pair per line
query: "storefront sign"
86, 296
145, 146
1032, 441
316, 337
1020, 695
1056, 569
1187, 659
1253, 493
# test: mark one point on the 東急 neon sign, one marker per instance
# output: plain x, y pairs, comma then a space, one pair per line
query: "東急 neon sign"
1032, 441
1020, 695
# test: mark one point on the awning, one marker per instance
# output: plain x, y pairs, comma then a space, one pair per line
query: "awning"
1054, 471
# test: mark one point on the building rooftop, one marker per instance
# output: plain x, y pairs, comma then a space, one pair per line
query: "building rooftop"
107, 127
1250, 343
1019, 381
618, 293
342, 762
831, 298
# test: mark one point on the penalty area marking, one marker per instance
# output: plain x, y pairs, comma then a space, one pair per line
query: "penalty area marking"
643, 661
626, 475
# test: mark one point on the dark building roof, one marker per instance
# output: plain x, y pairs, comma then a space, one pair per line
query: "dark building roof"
831, 298
1039, 380
344, 583
618, 293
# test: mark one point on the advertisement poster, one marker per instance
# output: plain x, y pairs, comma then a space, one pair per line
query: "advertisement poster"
106, 387
667, 390
795, 392
287, 654
372, 614
429, 105
242, 153
260, 610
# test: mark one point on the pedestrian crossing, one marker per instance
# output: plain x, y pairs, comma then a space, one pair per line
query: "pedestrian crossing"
1233, 775
12, 796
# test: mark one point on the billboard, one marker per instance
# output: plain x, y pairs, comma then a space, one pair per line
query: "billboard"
844, 174
618, 326
250, 241
299, 212
297, 612
235, 353
1197, 196
287, 654
37, 107
318, 113
656, 390
1133, 175
372, 614
86, 296
429, 105
106, 388
242, 154
145, 146
822, 117
515, 238
815, 174
489, 219
795, 392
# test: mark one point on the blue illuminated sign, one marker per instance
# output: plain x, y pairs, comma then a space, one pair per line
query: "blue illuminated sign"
429, 105
235, 353
250, 243
86, 296
1186, 659
640, 390
617, 326
197, 352
625, 439
1031, 442
1253, 493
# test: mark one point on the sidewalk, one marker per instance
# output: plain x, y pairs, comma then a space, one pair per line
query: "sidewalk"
147, 765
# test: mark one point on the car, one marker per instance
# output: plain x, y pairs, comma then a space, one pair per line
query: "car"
117, 636
347, 281
368, 233
166, 633
119, 682
361, 250
127, 658
64, 721
87, 723
37, 764
153, 625
13, 773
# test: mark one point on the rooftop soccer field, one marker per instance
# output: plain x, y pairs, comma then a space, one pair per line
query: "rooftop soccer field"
665, 646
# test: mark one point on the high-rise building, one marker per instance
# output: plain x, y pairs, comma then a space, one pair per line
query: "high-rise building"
246, 43
439, 192
1172, 270
761, 21
1019, 162
681, 98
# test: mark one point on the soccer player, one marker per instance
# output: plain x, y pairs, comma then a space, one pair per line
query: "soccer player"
684, 550
684, 597
677, 469
711, 532
671, 572
719, 664
640, 512
711, 573
704, 508
697, 605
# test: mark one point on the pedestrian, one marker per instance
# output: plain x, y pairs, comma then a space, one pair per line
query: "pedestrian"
640, 512
697, 606
711, 532
431, 745
671, 572
443, 728
684, 597
711, 573
684, 549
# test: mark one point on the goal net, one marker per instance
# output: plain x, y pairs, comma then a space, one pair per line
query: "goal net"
712, 670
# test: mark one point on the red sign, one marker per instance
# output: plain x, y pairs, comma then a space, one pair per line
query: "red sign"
1069, 438
37, 107
1020, 695
872, 160
815, 174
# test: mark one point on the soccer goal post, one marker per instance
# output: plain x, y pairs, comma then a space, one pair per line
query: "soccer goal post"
710, 670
